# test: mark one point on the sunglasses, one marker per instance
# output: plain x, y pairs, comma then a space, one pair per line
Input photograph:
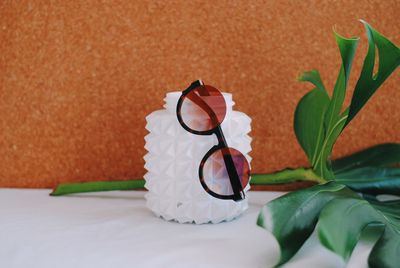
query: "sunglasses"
224, 172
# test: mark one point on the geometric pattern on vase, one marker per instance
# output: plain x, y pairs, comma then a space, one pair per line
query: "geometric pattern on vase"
172, 163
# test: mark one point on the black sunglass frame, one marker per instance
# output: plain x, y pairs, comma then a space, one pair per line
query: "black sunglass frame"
237, 187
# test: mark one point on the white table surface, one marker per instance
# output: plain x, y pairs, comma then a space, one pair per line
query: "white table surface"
115, 229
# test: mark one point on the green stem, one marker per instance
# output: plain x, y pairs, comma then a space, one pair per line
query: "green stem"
280, 177
286, 176
97, 186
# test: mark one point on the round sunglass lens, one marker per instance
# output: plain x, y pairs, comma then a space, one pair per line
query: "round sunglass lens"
215, 172
203, 108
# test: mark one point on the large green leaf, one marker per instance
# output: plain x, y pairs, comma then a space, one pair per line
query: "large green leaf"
316, 139
308, 121
369, 170
341, 215
347, 48
355, 213
335, 120
372, 180
292, 218
379, 156
368, 83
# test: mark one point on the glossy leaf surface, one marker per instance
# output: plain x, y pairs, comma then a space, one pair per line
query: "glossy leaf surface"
356, 213
380, 155
292, 218
309, 122
339, 215
368, 82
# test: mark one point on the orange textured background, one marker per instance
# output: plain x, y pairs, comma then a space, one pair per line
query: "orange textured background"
77, 78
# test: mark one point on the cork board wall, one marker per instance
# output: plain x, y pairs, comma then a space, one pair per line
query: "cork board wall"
77, 78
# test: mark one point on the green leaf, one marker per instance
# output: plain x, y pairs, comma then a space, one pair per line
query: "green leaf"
347, 49
334, 120
335, 106
308, 121
367, 171
386, 251
340, 216
391, 207
292, 218
379, 156
313, 77
356, 213
322, 165
368, 83
372, 180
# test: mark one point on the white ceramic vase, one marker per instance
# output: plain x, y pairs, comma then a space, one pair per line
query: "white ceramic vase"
172, 164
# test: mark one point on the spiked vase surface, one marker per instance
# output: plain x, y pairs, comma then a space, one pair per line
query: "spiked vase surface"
172, 164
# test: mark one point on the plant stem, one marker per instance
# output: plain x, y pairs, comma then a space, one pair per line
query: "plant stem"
97, 186
286, 176
280, 177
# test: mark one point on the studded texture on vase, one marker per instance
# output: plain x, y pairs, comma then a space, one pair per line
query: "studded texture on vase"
172, 164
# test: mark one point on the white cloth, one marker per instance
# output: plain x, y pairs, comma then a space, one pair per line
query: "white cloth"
115, 229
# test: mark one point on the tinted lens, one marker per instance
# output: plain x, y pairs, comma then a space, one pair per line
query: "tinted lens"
203, 108
215, 172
